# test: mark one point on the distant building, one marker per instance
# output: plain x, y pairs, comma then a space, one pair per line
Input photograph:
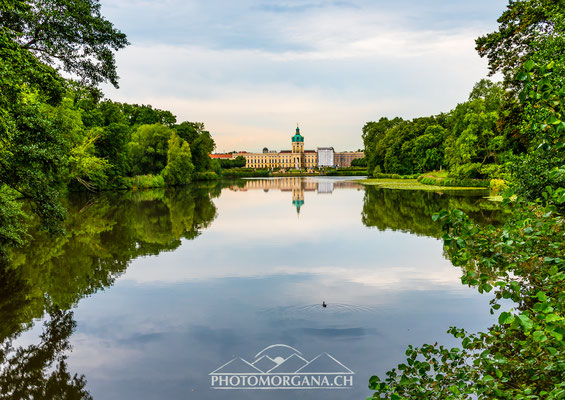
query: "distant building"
326, 157
344, 159
297, 158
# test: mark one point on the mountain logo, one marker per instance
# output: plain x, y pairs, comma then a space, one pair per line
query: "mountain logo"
280, 366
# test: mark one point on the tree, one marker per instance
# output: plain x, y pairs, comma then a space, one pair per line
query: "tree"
68, 33
179, 162
428, 150
373, 134
148, 149
33, 152
521, 26
200, 141
146, 115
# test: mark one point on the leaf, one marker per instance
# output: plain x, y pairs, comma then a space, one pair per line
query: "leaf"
539, 336
525, 321
505, 318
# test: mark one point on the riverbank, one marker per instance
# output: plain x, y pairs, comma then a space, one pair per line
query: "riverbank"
414, 184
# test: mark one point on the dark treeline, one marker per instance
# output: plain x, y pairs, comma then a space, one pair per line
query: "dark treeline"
469, 141
115, 142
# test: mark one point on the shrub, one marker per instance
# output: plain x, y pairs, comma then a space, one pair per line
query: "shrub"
206, 176
147, 181
498, 185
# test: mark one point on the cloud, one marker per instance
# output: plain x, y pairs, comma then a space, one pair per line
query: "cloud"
250, 70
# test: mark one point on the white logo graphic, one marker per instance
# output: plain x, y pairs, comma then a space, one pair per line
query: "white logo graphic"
283, 367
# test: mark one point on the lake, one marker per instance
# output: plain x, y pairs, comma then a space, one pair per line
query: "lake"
153, 291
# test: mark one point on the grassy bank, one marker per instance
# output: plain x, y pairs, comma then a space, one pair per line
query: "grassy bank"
413, 184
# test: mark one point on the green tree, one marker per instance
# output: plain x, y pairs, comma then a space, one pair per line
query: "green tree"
179, 162
70, 33
33, 151
521, 356
373, 134
148, 149
146, 115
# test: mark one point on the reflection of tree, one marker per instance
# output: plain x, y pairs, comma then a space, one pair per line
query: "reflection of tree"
40, 371
411, 211
105, 232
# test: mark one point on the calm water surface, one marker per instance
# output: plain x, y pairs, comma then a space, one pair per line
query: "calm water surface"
167, 286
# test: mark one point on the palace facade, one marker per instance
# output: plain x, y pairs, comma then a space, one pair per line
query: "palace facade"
296, 158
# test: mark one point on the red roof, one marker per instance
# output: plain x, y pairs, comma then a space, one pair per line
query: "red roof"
228, 156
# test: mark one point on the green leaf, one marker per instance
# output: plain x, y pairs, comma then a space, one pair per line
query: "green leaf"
505, 318
525, 321
539, 336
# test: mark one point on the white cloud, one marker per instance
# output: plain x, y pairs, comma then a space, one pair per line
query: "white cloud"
332, 69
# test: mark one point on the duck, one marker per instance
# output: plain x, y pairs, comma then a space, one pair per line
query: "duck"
324, 304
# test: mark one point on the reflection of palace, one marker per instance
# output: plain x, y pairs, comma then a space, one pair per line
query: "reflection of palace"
297, 158
297, 186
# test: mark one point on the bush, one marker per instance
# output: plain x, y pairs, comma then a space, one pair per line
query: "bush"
147, 181
244, 173
346, 173
498, 185
394, 176
434, 181
206, 176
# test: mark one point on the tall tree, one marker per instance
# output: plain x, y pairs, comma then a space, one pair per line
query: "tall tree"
71, 34
67, 34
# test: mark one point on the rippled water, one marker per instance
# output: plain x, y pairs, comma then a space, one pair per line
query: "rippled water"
166, 287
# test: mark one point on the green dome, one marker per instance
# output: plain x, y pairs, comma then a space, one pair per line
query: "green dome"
297, 136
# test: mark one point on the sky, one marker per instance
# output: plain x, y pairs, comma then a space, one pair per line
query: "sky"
250, 70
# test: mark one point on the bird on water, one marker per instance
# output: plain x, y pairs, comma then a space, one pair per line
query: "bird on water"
324, 304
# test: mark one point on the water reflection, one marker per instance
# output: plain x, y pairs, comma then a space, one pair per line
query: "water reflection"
411, 211
254, 277
295, 185
41, 371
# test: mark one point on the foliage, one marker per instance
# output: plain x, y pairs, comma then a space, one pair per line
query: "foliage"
238, 162
474, 135
36, 153
521, 26
245, 173
148, 149
70, 33
147, 181
432, 180
179, 162
206, 176
359, 162
345, 172
468, 140
522, 355
544, 122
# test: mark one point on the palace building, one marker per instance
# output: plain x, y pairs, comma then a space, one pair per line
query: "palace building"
296, 158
